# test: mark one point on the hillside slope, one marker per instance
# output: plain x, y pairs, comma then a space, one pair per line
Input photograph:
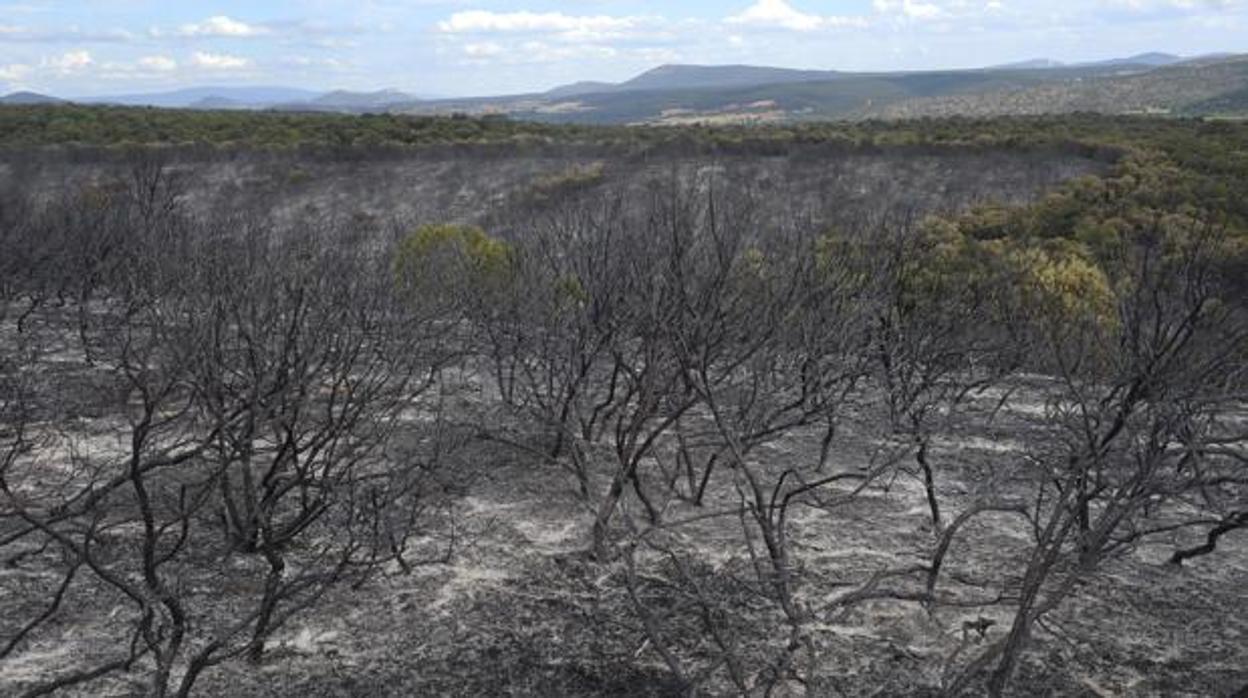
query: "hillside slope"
1187, 89
728, 94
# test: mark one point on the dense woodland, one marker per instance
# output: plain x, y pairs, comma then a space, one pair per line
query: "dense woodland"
709, 433
74, 126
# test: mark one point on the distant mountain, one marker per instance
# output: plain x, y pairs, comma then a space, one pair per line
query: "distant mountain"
344, 99
697, 77
222, 97
29, 98
242, 97
677, 77
1155, 60
747, 94
217, 103
587, 87
702, 77
1033, 64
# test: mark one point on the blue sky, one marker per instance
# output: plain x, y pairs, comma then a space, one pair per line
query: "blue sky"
469, 47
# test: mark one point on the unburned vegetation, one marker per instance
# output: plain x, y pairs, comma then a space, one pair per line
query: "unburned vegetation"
885, 421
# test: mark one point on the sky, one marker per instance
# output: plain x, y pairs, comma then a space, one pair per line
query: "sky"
79, 48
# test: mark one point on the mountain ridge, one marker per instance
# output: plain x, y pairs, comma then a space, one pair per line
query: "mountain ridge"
686, 93
26, 97
186, 96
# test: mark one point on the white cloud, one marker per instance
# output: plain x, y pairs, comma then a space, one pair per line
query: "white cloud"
308, 62
159, 64
545, 37
218, 61
482, 21
14, 72
70, 33
911, 9
71, 62
543, 52
221, 26
780, 14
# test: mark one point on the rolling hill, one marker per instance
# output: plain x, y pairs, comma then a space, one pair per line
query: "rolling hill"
28, 98
239, 97
1186, 89
1148, 83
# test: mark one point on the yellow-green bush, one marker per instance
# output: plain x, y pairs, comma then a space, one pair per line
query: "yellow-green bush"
575, 178
453, 258
570, 293
1062, 286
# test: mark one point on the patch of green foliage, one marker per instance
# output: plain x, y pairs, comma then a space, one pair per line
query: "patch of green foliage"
1075, 253
121, 126
452, 260
573, 179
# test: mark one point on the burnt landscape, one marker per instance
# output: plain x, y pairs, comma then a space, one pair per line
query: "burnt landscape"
421, 406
